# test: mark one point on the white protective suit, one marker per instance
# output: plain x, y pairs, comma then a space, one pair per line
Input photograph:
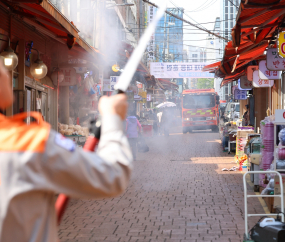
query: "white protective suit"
30, 180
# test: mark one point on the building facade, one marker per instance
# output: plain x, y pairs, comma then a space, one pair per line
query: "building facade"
228, 12
169, 37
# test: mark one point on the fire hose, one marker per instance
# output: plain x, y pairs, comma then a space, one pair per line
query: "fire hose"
90, 145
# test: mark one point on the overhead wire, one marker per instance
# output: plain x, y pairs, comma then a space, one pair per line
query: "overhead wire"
188, 22
199, 6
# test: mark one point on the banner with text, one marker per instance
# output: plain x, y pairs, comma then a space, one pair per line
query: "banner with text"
179, 70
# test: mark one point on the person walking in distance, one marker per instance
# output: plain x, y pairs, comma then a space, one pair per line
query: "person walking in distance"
132, 127
37, 163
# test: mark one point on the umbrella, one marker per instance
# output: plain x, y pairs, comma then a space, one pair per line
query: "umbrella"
166, 104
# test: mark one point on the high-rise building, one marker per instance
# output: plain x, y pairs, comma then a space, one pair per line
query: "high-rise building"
169, 37
196, 54
228, 11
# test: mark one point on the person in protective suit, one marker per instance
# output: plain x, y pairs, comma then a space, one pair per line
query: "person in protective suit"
37, 163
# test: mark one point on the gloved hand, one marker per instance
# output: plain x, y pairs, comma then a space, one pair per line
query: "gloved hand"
6, 93
116, 104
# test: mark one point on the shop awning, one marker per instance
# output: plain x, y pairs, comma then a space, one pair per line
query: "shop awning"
167, 84
47, 19
255, 30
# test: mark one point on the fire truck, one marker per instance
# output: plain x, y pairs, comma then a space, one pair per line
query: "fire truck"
200, 110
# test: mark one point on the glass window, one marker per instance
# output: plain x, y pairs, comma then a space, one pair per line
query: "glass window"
231, 24
232, 9
226, 17
226, 24
237, 108
226, 2
198, 101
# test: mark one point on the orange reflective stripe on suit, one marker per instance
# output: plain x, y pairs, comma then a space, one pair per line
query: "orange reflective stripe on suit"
17, 136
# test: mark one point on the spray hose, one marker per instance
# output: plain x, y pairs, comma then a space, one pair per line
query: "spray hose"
90, 145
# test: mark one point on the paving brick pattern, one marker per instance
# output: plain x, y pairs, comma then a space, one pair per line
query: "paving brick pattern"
177, 193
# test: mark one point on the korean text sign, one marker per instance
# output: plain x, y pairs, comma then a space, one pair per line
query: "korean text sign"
179, 70
240, 94
113, 82
69, 77
273, 61
266, 74
244, 83
281, 44
257, 82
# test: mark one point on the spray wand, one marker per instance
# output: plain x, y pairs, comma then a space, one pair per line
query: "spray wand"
122, 86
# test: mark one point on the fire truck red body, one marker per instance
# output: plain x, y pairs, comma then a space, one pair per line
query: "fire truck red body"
200, 110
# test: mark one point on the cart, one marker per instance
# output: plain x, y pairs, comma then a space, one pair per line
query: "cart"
246, 215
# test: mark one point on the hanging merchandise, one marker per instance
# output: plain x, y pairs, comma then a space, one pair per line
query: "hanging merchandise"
273, 61
249, 72
265, 74
257, 82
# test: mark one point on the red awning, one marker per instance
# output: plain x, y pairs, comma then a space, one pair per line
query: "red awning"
212, 67
256, 26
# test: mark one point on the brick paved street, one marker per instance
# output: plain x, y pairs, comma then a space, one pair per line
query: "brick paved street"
177, 193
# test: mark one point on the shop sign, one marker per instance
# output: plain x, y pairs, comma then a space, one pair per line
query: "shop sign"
281, 44
273, 61
106, 85
140, 85
137, 97
143, 101
151, 44
240, 94
69, 77
142, 93
266, 74
257, 82
113, 81
250, 70
244, 83
280, 115
148, 97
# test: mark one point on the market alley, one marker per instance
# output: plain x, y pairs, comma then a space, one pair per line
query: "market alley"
177, 193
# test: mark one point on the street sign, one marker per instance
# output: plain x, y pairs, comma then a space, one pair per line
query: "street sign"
273, 61
257, 82
250, 70
281, 44
280, 115
244, 83
240, 94
266, 74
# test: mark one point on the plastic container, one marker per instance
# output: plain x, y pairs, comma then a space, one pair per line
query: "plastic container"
244, 168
